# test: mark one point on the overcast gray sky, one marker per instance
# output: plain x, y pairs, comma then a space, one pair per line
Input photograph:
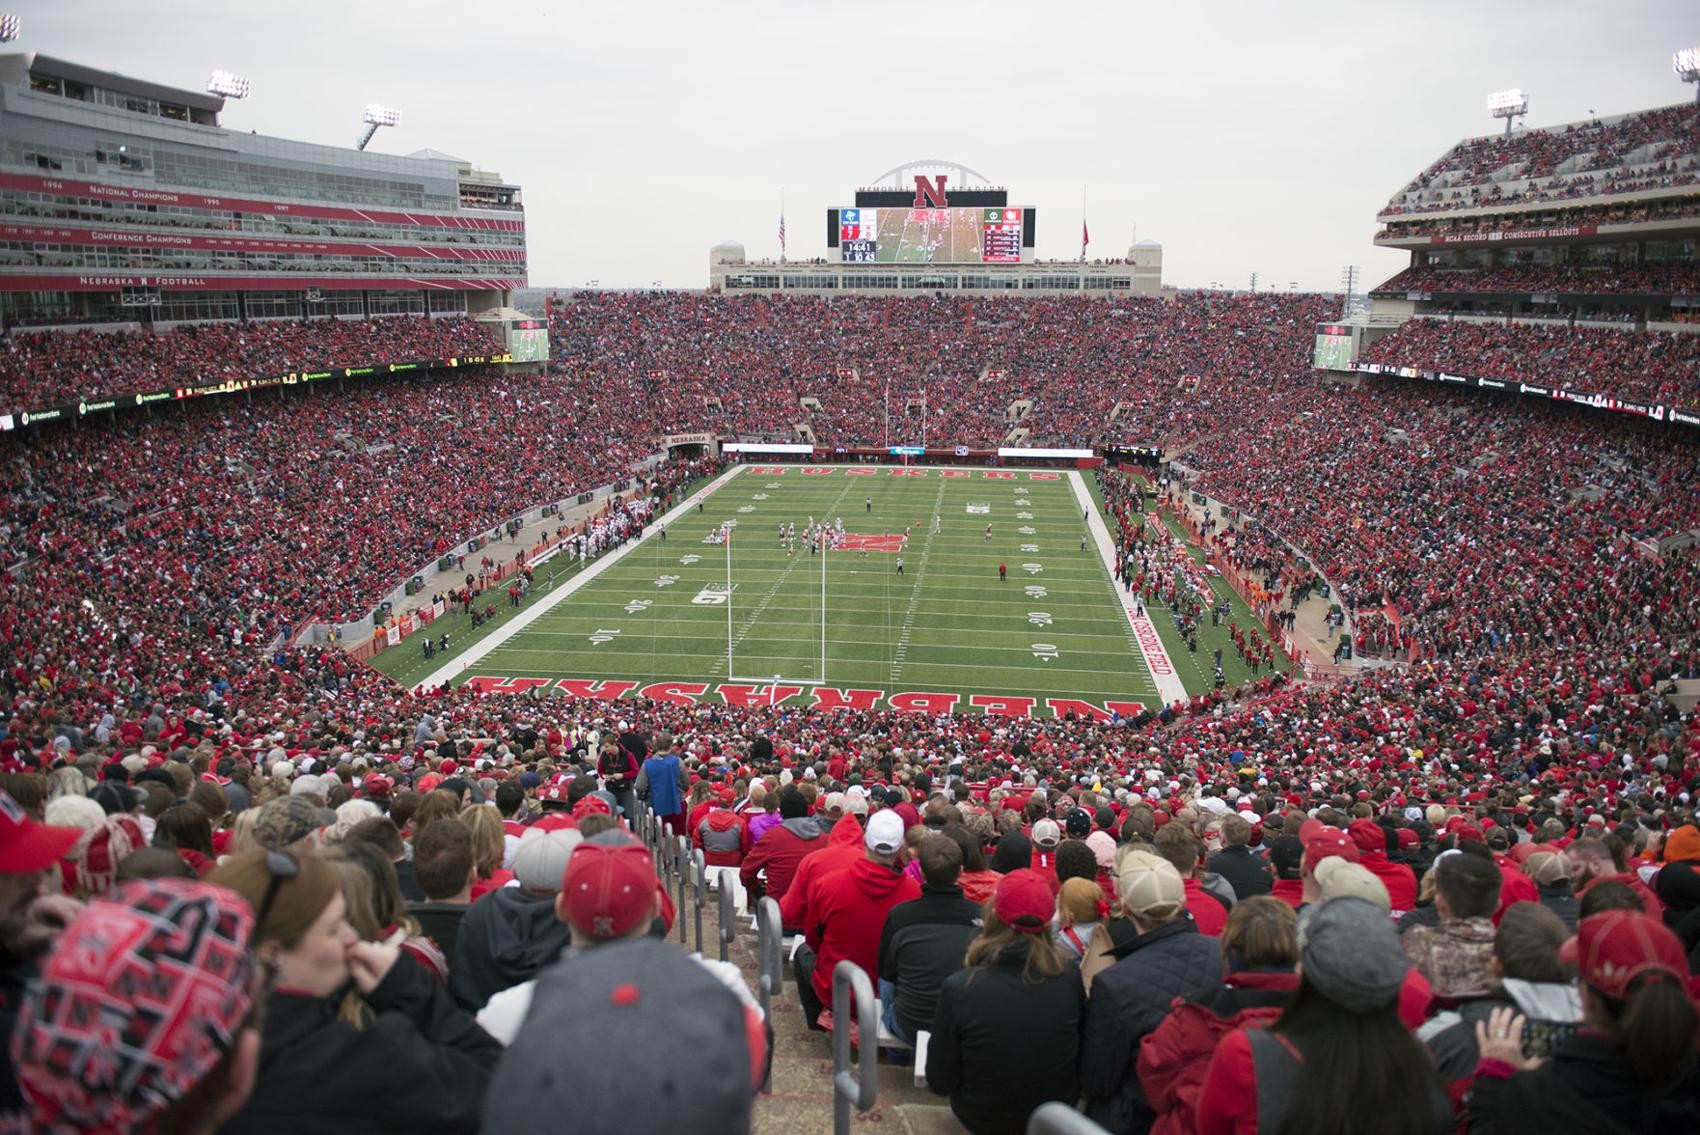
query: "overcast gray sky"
1245, 136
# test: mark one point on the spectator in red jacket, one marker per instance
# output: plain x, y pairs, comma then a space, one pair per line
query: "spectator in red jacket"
722, 834
781, 849
843, 848
1260, 947
1400, 881
847, 914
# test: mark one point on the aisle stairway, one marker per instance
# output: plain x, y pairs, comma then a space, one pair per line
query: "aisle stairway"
801, 1100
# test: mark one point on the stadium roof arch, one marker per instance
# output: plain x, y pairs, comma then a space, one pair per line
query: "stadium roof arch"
965, 175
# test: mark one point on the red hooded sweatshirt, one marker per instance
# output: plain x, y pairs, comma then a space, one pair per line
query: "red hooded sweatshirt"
779, 851
723, 837
847, 915
843, 848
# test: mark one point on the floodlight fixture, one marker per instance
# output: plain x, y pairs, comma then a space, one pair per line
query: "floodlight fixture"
374, 117
228, 84
10, 27
1686, 64
1509, 105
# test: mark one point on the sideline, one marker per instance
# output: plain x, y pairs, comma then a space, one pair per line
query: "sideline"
546, 602
1157, 660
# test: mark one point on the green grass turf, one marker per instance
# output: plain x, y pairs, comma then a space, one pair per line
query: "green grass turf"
946, 625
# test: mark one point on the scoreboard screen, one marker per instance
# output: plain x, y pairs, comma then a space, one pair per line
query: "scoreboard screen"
1336, 348
528, 340
989, 235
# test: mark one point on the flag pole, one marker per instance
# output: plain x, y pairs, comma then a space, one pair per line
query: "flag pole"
1084, 239
782, 224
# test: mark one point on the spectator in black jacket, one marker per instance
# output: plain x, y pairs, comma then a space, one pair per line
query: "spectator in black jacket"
512, 933
1551, 873
316, 1070
924, 941
1169, 958
443, 863
1007, 1031
1250, 875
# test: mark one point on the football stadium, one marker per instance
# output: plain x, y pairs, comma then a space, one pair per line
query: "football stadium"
932, 680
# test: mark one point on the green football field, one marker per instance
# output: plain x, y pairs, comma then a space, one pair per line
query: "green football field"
665, 610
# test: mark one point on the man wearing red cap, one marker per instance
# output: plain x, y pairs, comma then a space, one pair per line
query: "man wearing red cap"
29, 919
1400, 881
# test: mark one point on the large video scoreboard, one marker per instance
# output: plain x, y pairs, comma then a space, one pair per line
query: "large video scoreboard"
971, 235
1336, 347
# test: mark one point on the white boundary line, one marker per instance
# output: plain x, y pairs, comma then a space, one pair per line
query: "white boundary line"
1157, 660
547, 602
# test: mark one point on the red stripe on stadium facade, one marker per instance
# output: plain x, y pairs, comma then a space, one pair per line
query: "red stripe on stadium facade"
150, 195
209, 282
112, 238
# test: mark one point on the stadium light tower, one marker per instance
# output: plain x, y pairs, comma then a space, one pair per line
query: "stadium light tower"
10, 27
375, 117
231, 86
1509, 105
1686, 64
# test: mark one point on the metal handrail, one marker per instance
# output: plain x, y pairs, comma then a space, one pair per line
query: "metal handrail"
699, 886
681, 877
770, 966
770, 963
728, 918
1056, 1118
862, 1088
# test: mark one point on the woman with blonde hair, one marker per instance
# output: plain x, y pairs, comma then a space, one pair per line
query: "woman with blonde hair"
489, 848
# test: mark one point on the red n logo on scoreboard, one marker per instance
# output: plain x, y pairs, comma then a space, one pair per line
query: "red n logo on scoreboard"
930, 193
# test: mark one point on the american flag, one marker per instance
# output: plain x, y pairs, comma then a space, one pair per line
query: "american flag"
782, 234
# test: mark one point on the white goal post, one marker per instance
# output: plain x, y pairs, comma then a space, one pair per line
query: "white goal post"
732, 674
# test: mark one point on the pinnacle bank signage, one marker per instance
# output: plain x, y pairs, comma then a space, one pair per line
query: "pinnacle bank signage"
112, 403
1653, 411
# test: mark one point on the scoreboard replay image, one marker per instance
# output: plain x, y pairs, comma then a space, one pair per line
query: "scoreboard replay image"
989, 235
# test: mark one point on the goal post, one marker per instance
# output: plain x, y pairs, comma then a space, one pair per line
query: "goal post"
732, 675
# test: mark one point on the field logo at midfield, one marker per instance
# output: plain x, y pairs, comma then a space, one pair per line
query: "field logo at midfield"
860, 542
818, 697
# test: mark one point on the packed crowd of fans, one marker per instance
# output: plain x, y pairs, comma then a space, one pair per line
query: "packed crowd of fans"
1648, 150
954, 368
216, 931
1657, 366
1669, 208
49, 368
1680, 278
155, 567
